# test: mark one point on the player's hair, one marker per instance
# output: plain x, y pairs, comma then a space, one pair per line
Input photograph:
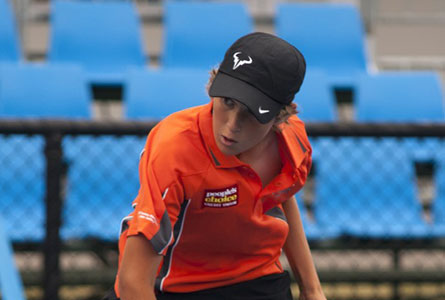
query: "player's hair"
283, 115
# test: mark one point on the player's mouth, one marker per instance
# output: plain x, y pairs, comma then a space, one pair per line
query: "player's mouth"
227, 141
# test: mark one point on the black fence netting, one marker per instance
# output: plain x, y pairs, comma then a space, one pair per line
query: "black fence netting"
373, 207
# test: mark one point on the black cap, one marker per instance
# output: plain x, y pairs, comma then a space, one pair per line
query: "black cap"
262, 71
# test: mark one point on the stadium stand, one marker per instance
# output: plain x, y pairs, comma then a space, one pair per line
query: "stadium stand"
34, 91
10, 49
197, 34
400, 97
361, 194
104, 37
146, 96
403, 97
409, 91
43, 91
362, 188
315, 101
330, 35
10, 283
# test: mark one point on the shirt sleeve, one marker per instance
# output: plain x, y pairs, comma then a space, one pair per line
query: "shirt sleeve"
157, 204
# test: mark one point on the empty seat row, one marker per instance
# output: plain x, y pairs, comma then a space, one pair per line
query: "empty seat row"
62, 91
106, 38
380, 97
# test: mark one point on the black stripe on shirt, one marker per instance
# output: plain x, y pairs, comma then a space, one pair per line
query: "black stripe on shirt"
165, 270
276, 212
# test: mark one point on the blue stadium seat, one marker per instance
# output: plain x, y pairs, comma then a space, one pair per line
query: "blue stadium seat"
104, 37
157, 93
315, 100
403, 97
197, 33
43, 91
367, 190
9, 38
11, 287
313, 230
103, 180
400, 97
330, 36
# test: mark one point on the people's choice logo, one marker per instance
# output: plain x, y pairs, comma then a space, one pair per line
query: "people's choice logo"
263, 111
219, 198
238, 62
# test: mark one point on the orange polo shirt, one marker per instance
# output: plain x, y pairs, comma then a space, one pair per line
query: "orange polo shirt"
208, 213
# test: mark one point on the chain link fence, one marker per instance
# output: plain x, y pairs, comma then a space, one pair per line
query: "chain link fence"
373, 207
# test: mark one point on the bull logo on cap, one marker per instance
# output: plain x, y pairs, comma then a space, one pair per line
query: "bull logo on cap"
237, 62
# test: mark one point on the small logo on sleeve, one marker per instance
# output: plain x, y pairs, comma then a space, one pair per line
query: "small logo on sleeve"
148, 217
219, 198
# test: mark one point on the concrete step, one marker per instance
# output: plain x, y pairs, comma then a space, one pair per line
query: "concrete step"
409, 39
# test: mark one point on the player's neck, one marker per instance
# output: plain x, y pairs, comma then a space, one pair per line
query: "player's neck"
264, 158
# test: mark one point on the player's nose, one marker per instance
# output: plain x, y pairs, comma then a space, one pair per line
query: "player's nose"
235, 120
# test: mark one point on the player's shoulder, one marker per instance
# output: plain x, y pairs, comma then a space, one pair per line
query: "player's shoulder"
179, 122
177, 139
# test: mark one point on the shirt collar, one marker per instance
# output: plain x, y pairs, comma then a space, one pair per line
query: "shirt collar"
293, 142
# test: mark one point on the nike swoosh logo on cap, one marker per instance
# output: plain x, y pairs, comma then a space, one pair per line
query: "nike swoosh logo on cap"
263, 111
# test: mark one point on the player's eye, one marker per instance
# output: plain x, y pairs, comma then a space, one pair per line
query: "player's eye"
229, 102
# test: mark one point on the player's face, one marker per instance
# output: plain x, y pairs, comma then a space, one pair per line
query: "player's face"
235, 128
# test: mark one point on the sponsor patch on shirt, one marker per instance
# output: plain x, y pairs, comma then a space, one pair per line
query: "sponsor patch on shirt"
220, 198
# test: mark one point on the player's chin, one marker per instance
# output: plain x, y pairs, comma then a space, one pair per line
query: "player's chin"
229, 150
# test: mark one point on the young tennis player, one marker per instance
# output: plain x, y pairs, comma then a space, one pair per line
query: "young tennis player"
216, 206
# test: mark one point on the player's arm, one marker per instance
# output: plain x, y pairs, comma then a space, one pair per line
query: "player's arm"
299, 256
138, 269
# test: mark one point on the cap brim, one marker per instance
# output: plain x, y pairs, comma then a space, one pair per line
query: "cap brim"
260, 105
